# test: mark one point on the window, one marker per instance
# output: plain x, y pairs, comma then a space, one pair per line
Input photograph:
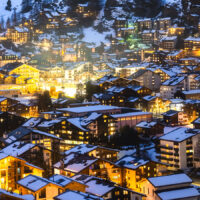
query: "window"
42, 193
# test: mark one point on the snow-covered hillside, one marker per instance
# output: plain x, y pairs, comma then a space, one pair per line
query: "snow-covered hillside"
5, 14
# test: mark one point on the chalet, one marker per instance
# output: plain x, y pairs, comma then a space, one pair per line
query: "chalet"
176, 186
162, 23
68, 183
18, 35
40, 188
31, 136
175, 31
18, 74
175, 56
15, 168
147, 79
174, 118
169, 43
120, 23
171, 86
90, 127
145, 24
192, 43
85, 10
96, 151
154, 104
108, 189
149, 36
32, 153
74, 163
192, 108
135, 169
21, 69
124, 32
165, 74
191, 94
150, 128
189, 61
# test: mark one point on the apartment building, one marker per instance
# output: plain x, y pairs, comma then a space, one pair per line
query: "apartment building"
179, 148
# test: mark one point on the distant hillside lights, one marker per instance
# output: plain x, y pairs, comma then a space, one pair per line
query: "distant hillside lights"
71, 92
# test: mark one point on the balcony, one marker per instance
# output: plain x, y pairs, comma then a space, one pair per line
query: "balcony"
165, 158
165, 147
166, 153
176, 160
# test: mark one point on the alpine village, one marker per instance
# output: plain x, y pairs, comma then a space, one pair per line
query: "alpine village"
99, 100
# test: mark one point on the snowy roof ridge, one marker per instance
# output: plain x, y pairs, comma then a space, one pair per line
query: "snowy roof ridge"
173, 179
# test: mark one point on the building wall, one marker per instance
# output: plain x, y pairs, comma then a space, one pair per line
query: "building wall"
132, 121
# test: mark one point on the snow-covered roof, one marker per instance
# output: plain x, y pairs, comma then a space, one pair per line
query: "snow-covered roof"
182, 193
32, 122
197, 39
83, 122
174, 179
21, 131
85, 148
180, 134
17, 148
82, 149
132, 162
191, 92
168, 72
69, 195
49, 123
170, 113
21, 29
35, 183
130, 114
62, 180
2, 98
149, 98
167, 38
75, 162
196, 121
15, 195
98, 187
46, 134
174, 81
77, 122
146, 124
89, 108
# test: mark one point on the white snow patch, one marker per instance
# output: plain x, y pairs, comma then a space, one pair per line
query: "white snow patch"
93, 36
7, 14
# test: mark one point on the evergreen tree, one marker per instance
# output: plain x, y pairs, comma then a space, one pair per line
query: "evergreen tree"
126, 136
8, 23
44, 101
14, 17
2, 24
8, 6
26, 5
147, 8
91, 89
